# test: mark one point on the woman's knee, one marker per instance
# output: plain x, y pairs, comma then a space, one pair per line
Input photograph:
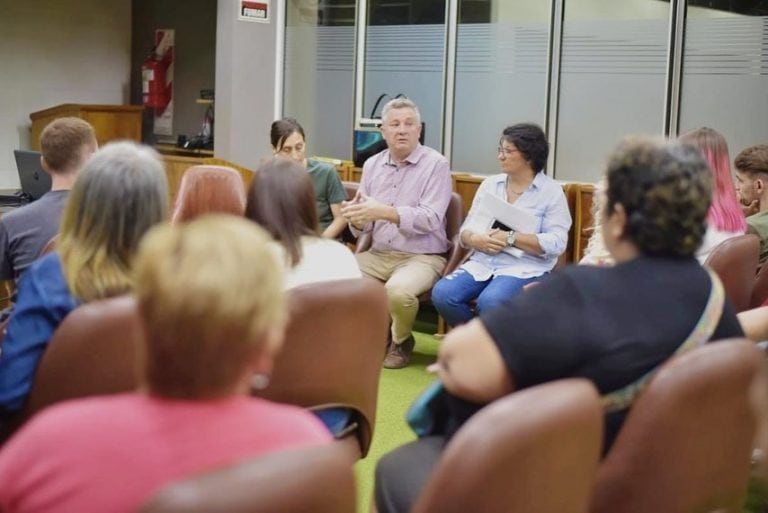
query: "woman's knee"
492, 297
450, 291
442, 293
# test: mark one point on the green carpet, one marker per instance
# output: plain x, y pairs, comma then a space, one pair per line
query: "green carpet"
397, 390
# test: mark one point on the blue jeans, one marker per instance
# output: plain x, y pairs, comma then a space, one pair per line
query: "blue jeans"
452, 294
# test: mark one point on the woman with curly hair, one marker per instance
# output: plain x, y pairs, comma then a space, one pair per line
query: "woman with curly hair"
611, 325
725, 218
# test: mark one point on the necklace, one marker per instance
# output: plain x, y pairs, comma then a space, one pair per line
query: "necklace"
512, 191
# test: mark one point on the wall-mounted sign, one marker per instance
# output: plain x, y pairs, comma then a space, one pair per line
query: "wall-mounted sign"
249, 10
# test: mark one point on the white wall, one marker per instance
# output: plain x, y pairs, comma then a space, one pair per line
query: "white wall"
58, 51
245, 85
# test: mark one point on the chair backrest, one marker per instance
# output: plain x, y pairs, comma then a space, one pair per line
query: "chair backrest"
686, 443
536, 451
735, 262
315, 479
93, 352
209, 189
333, 349
454, 216
760, 288
245, 173
350, 188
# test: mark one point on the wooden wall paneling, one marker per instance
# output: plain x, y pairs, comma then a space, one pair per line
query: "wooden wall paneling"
572, 196
174, 168
466, 185
583, 213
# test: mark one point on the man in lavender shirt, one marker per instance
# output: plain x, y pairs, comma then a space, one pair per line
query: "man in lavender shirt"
402, 200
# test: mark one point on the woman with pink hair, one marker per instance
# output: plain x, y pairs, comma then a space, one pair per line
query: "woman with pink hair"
725, 218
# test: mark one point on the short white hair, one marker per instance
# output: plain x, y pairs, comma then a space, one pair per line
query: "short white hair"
400, 103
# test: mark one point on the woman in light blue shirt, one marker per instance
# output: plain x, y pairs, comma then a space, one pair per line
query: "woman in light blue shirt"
505, 258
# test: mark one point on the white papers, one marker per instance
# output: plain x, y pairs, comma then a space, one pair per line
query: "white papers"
516, 218
491, 208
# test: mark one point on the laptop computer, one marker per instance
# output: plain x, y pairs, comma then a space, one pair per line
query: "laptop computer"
34, 181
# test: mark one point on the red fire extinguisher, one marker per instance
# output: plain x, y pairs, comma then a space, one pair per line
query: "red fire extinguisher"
155, 92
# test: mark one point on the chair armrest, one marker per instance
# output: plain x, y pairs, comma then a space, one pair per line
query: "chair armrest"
456, 255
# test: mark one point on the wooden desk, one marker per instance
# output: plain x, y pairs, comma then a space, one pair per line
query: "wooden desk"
110, 122
170, 149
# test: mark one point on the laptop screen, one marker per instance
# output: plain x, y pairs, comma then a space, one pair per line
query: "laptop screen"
34, 181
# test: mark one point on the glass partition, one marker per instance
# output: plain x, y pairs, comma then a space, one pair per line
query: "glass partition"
405, 55
501, 72
725, 76
319, 73
612, 80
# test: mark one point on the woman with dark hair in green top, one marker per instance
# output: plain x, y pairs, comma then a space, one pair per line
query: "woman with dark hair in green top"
288, 140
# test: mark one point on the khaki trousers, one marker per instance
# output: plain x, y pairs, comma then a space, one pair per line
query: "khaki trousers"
405, 276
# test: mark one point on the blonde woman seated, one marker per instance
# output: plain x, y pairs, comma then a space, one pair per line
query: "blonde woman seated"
119, 194
209, 190
282, 200
210, 297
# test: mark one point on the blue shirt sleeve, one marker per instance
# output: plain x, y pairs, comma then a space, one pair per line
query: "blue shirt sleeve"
553, 237
44, 300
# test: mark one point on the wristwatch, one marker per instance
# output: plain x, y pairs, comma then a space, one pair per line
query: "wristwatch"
511, 238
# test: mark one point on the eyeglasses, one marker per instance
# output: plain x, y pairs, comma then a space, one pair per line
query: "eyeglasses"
506, 151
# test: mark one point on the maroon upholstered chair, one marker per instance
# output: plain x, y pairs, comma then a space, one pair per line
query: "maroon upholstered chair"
686, 443
94, 351
209, 189
535, 451
760, 288
346, 236
316, 479
333, 351
735, 262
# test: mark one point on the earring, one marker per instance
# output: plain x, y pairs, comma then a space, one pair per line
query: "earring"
259, 381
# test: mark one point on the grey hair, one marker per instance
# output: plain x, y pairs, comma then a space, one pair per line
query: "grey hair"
124, 185
118, 195
400, 103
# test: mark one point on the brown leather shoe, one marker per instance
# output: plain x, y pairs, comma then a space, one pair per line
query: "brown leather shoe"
399, 355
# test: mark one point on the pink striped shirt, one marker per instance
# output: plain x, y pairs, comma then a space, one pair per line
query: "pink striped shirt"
420, 189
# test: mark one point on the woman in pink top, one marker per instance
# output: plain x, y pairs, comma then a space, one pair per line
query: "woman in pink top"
213, 323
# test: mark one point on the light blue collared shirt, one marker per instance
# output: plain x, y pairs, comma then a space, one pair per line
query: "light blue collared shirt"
545, 199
